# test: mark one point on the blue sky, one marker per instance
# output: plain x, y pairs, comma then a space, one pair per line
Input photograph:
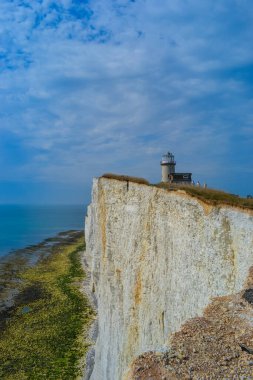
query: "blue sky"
88, 87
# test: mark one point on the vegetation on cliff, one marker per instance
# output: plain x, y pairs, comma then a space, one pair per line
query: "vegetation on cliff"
43, 336
211, 196
122, 177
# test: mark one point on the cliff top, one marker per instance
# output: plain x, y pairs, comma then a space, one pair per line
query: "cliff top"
210, 196
122, 177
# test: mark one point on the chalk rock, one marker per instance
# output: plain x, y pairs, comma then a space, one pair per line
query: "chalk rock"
156, 259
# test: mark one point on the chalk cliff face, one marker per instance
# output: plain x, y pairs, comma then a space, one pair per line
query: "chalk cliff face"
156, 258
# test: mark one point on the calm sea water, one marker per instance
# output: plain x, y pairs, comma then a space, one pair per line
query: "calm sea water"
21, 226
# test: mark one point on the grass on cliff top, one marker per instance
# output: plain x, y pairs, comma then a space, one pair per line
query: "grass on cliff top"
44, 335
122, 177
210, 196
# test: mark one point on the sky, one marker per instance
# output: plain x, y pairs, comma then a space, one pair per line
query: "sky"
88, 87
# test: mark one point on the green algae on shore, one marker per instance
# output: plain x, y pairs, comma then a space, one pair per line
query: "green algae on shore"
44, 333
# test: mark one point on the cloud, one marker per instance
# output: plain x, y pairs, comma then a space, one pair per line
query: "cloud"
100, 85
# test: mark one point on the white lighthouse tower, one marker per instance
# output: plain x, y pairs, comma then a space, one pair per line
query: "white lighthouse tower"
168, 164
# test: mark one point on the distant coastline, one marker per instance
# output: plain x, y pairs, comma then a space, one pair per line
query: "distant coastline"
23, 225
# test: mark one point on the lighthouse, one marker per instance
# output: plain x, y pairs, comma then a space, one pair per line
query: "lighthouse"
169, 174
168, 166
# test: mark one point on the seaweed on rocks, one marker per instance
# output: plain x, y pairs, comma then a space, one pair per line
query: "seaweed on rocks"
44, 321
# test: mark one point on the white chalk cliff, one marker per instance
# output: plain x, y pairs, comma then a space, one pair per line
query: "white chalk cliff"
156, 259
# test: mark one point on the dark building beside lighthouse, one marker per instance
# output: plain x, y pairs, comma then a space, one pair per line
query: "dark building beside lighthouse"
169, 174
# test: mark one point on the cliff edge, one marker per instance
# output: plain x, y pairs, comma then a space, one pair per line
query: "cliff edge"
156, 259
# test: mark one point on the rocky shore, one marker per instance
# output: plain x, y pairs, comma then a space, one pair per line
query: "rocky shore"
16, 262
44, 315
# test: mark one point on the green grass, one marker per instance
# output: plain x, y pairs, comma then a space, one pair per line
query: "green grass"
44, 336
122, 177
211, 196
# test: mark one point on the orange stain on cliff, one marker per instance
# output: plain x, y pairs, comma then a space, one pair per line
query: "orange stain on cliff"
137, 289
102, 217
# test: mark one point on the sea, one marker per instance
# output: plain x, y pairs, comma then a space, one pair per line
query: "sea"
25, 225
